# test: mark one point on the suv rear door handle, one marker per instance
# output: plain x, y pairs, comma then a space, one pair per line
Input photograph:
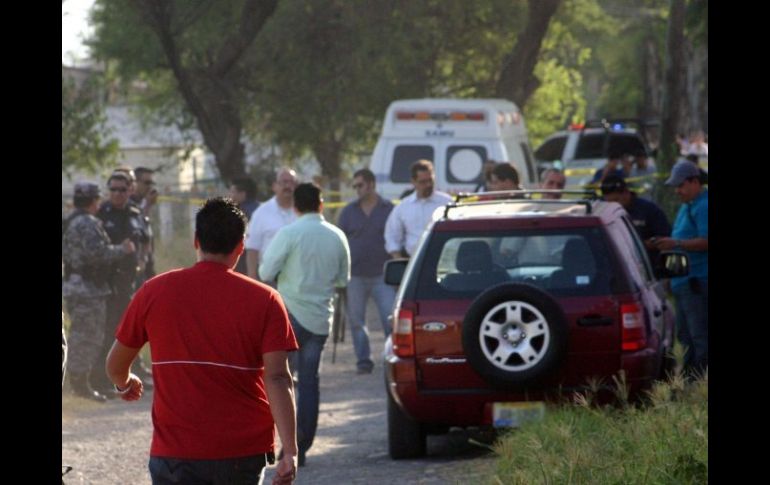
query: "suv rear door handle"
594, 321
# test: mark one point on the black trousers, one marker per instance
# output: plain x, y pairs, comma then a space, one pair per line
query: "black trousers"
247, 470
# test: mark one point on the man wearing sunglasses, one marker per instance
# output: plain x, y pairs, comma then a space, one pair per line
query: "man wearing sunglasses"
363, 222
144, 197
122, 220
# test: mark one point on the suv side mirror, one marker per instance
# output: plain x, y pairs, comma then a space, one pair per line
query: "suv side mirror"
394, 271
673, 263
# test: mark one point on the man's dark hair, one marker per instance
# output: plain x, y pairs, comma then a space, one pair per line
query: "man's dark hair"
139, 171
246, 184
421, 166
307, 197
365, 174
219, 225
506, 171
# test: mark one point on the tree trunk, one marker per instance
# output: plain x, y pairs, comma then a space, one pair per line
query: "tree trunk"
517, 80
207, 89
652, 79
697, 88
671, 102
329, 155
673, 87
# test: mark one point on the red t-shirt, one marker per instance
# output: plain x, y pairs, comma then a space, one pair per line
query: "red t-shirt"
208, 328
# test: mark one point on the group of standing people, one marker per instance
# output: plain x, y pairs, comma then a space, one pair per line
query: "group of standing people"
107, 253
228, 350
689, 234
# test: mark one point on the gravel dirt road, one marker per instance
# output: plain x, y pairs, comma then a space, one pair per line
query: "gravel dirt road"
109, 443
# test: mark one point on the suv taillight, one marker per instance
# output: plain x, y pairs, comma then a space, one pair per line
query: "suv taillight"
634, 333
403, 335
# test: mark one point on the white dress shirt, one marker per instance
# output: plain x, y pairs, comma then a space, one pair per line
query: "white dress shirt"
409, 219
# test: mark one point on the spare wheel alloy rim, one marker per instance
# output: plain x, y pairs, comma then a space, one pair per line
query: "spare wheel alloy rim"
514, 336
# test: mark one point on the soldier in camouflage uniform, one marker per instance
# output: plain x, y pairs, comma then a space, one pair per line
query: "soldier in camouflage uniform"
86, 251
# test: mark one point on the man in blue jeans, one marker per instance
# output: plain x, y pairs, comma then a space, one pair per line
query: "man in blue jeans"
309, 259
363, 222
691, 292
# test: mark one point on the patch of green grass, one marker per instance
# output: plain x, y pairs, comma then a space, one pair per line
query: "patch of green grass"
664, 440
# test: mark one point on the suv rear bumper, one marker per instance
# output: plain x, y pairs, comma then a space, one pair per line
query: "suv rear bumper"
473, 406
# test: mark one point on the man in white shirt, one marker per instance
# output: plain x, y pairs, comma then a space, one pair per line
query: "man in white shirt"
409, 219
269, 217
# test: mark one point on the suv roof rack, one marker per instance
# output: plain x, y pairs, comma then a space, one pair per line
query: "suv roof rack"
521, 196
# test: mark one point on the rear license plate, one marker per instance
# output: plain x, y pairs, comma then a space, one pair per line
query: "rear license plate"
514, 414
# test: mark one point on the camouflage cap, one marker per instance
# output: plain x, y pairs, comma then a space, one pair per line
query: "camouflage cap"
87, 189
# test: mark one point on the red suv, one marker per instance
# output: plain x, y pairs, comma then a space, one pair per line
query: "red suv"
513, 301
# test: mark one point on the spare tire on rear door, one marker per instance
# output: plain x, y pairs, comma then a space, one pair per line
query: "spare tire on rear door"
514, 335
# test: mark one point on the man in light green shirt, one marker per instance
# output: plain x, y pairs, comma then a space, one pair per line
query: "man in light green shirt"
309, 258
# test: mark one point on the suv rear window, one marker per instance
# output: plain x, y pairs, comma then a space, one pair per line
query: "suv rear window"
573, 262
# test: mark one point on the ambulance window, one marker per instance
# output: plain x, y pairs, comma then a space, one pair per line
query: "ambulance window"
403, 158
464, 163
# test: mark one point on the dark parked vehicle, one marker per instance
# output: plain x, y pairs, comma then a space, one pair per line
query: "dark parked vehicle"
512, 301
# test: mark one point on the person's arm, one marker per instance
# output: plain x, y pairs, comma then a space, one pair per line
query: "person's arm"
343, 275
696, 244
252, 263
253, 245
280, 395
274, 257
118, 367
394, 233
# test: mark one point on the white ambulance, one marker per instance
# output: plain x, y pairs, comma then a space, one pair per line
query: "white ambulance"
457, 135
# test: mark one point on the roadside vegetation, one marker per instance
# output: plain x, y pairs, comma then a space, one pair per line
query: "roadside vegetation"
664, 439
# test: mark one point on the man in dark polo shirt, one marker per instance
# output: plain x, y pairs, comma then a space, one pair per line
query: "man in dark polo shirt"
649, 220
363, 222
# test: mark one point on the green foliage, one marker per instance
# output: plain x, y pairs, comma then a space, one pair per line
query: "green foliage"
556, 102
566, 54
85, 139
664, 441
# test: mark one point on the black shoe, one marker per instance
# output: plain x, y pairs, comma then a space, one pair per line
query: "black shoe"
365, 369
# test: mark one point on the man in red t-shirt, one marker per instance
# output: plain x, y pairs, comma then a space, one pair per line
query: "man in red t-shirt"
219, 343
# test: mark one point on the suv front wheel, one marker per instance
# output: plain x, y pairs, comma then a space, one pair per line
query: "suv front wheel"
514, 335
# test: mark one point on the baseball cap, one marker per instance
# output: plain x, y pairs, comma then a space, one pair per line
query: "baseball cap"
613, 183
681, 171
87, 189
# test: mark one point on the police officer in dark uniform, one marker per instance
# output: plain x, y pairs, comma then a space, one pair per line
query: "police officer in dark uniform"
122, 220
87, 254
